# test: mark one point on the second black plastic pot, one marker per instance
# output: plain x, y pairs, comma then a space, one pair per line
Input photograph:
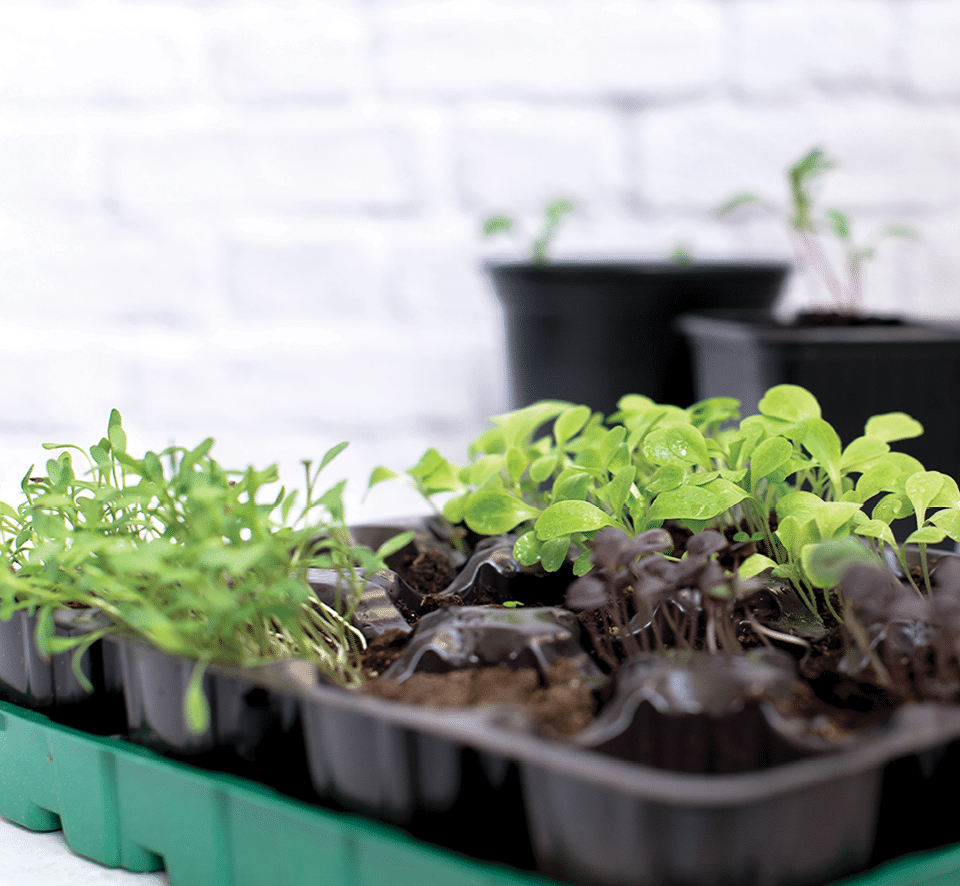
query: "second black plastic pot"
590, 332
853, 371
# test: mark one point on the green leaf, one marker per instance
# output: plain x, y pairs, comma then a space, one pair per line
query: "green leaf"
892, 426
617, 491
516, 464
453, 508
430, 462
839, 223
518, 427
569, 423
115, 432
497, 224
754, 565
794, 535
563, 518
825, 562
195, 705
677, 444
926, 535
582, 565
331, 454
800, 504
553, 552
949, 494
789, 403
686, 503
527, 548
482, 470
543, 467
877, 529
392, 545
862, 453
922, 488
612, 442
494, 513
833, 516
769, 455
379, 474
949, 521
664, 478
880, 477
571, 484
889, 508
727, 494
821, 441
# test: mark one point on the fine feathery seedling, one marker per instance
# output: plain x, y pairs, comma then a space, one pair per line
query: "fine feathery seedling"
192, 557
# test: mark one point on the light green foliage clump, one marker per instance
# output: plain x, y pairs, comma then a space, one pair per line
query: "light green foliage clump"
782, 478
196, 559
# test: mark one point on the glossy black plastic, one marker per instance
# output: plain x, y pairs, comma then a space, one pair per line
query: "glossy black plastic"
590, 332
853, 371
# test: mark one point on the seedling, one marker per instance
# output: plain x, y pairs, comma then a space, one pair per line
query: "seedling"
553, 214
781, 479
807, 226
192, 557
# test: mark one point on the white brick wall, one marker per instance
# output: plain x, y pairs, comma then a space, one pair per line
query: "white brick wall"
259, 220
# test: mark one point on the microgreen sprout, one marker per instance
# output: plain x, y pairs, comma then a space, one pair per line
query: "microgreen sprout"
199, 560
781, 479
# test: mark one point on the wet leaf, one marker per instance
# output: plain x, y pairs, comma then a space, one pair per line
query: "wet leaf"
563, 518
789, 403
494, 513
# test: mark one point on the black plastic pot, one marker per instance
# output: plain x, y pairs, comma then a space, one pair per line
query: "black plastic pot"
590, 332
854, 371
254, 730
50, 684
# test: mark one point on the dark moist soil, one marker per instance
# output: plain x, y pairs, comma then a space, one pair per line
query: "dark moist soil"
835, 704
807, 319
382, 652
429, 572
427, 604
868, 707
561, 705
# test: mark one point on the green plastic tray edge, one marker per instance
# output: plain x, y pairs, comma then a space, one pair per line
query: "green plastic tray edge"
383, 854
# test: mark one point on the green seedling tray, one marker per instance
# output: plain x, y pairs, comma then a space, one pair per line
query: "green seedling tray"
125, 806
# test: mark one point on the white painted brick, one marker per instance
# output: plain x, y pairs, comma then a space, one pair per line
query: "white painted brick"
931, 45
63, 380
313, 50
353, 164
516, 159
95, 53
41, 169
932, 272
368, 379
891, 155
276, 280
565, 48
434, 274
88, 273
791, 47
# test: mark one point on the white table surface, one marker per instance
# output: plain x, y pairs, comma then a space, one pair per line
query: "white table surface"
31, 859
